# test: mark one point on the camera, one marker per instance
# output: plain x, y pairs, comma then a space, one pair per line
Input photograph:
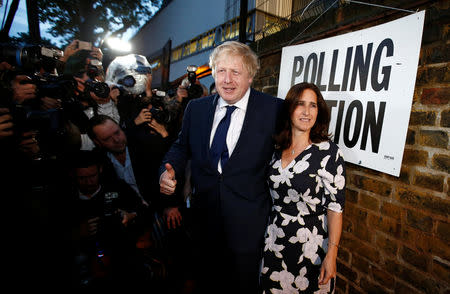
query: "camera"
30, 57
100, 89
194, 90
54, 86
158, 108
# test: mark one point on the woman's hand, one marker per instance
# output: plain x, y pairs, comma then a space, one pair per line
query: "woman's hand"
160, 128
144, 117
328, 269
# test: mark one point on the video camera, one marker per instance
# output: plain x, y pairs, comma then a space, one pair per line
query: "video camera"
30, 57
194, 90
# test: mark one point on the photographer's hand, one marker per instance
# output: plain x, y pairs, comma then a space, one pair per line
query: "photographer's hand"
23, 91
173, 217
29, 145
144, 117
127, 217
71, 49
114, 94
97, 53
5, 123
161, 129
50, 103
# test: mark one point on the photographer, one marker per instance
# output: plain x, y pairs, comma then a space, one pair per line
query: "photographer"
92, 93
108, 213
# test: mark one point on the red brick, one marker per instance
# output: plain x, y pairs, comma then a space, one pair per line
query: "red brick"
433, 138
420, 261
424, 201
429, 181
383, 277
419, 240
343, 255
351, 196
443, 231
415, 157
401, 288
392, 210
422, 118
419, 221
439, 96
346, 271
358, 247
445, 119
371, 185
359, 263
441, 269
369, 202
387, 245
441, 162
354, 213
385, 224
370, 287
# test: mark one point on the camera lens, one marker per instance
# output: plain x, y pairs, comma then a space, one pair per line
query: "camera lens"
127, 81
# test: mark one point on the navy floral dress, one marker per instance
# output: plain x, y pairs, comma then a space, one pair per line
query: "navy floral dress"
296, 239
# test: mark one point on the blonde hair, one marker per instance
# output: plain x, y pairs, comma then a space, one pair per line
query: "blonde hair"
234, 48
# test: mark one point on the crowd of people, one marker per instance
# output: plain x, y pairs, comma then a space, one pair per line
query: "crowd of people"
113, 184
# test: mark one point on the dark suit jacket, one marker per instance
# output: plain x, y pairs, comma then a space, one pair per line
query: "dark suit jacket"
234, 205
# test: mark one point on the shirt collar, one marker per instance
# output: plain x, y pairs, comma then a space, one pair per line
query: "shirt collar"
241, 104
84, 197
114, 160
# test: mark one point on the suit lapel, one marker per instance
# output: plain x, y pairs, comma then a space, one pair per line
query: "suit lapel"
209, 121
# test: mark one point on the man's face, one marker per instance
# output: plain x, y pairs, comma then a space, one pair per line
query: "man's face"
110, 137
232, 78
88, 179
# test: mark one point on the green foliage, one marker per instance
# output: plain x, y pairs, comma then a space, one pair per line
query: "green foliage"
89, 20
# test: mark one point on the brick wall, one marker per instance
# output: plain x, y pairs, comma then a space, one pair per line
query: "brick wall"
396, 230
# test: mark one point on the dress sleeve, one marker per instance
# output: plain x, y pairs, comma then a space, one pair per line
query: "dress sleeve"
333, 179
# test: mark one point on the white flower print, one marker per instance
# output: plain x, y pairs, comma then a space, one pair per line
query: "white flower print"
274, 232
293, 196
284, 176
311, 246
325, 145
302, 165
302, 208
301, 236
289, 218
310, 200
274, 194
286, 279
339, 179
301, 282
334, 206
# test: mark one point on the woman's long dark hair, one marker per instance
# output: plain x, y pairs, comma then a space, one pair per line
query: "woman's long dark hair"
319, 131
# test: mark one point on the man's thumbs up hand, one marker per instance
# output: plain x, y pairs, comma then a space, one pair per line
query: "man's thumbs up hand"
167, 182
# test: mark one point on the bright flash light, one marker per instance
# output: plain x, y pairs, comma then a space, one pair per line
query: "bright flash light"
118, 44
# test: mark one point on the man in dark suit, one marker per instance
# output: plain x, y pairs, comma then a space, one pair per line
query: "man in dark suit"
228, 138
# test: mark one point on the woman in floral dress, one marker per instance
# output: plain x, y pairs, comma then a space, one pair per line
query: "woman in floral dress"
307, 181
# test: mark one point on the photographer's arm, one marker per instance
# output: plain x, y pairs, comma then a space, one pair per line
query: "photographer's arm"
23, 91
5, 124
148, 86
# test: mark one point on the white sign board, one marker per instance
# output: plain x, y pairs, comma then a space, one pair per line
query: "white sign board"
367, 78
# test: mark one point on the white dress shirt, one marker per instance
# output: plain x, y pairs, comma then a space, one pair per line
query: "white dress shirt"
237, 120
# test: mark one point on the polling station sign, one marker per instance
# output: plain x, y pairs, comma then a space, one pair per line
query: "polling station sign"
367, 78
